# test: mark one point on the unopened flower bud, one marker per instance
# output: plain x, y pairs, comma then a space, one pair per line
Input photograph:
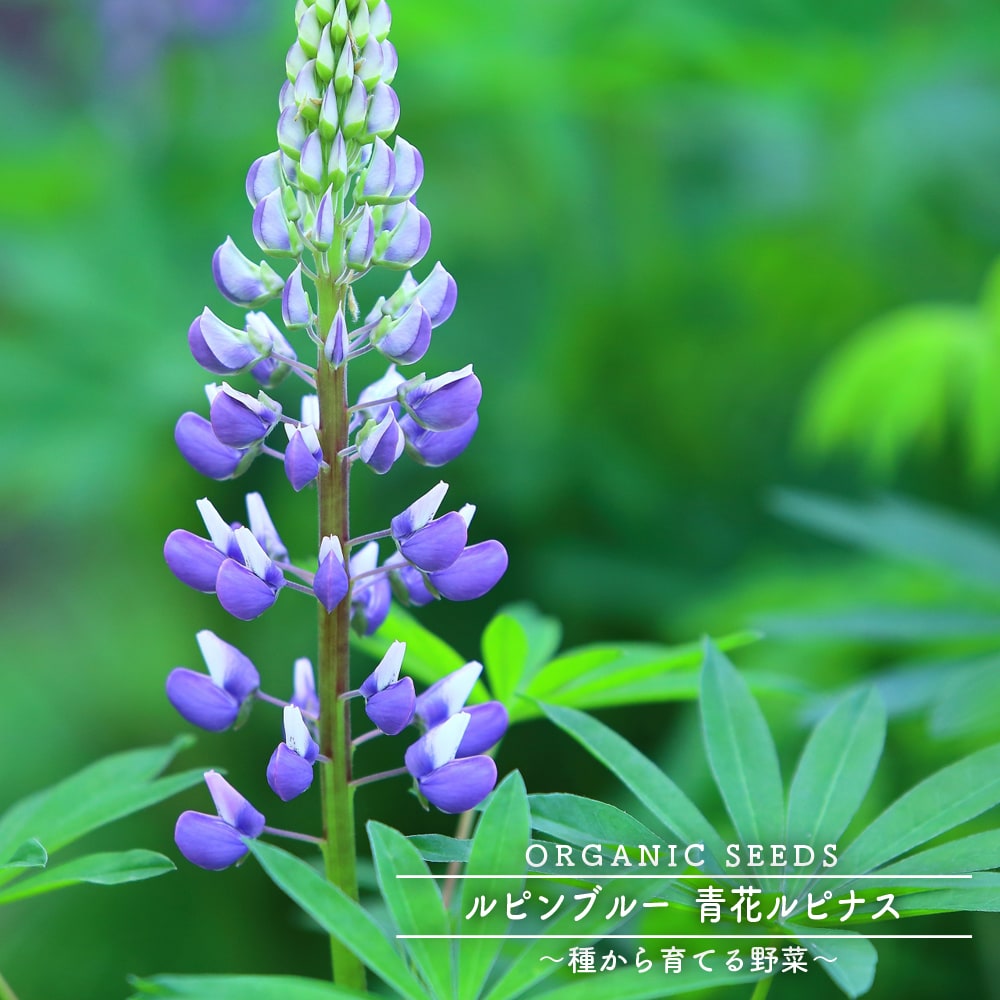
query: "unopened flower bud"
336, 345
361, 242
324, 10
296, 309
291, 133
360, 24
325, 59
303, 456
339, 23
343, 75
389, 701
330, 584
379, 21
379, 445
329, 115
370, 70
307, 92
295, 60
309, 32
322, 232
352, 121
312, 168
290, 769
336, 167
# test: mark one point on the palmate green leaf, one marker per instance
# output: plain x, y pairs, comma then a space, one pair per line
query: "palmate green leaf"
980, 894
523, 958
517, 643
836, 769
967, 701
883, 624
939, 803
741, 752
627, 984
855, 958
339, 916
30, 854
415, 906
111, 868
240, 988
644, 779
436, 847
914, 533
572, 819
976, 853
114, 787
499, 846
601, 676
428, 658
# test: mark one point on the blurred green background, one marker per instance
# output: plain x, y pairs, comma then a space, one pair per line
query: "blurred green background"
664, 218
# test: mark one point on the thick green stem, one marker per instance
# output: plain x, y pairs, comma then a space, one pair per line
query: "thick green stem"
6, 993
762, 988
334, 675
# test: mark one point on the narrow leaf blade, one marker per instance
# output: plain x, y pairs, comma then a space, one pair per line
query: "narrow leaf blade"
338, 915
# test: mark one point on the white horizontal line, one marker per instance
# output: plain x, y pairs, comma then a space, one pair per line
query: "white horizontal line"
589, 876
682, 937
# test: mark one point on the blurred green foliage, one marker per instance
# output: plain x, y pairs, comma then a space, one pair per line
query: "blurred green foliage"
662, 216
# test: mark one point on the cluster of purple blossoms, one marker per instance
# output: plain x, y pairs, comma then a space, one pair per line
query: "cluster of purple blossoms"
335, 200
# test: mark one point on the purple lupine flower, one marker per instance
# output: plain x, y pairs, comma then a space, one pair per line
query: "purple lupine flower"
323, 229
427, 542
451, 784
330, 583
290, 769
446, 402
263, 528
242, 281
377, 180
409, 169
220, 348
205, 453
384, 388
272, 369
217, 700
406, 339
337, 342
389, 701
370, 596
408, 582
446, 697
437, 293
383, 111
361, 241
271, 228
474, 573
488, 722
405, 237
380, 444
216, 842
240, 420
437, 448
263, 177
304, 454
296, 309
247, 587
195, 560
304, 695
